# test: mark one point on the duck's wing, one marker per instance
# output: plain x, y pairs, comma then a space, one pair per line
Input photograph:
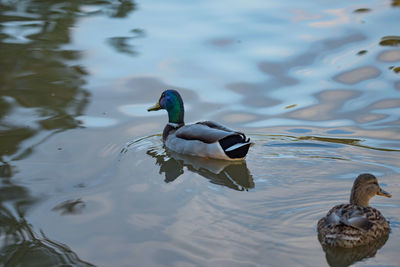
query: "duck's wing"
216, 125
357, 219
207, 132
349, 215
332, 219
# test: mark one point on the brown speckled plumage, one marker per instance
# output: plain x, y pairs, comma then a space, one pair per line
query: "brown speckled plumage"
355, 224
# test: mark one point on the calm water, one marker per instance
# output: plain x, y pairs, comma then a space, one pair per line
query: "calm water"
85, 180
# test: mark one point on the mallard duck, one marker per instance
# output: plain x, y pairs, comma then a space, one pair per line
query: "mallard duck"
204, 139
355, 224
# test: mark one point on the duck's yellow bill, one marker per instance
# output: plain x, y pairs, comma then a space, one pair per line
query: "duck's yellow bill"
155, 107
382, 192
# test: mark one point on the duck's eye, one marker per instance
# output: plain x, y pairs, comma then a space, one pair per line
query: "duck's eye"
162, 96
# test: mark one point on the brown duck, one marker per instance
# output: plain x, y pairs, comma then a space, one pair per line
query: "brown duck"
355, 224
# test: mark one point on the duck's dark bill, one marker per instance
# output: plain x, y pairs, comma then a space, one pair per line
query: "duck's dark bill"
155, 107
382, 192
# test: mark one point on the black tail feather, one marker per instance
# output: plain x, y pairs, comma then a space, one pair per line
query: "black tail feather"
231, 140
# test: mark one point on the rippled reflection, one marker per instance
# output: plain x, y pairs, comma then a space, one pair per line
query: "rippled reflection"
42, 91
296, 141
20, 245
331, 82
70, 207
121, 45
338, 257
390, 41
41, 83
23, 247
234, 175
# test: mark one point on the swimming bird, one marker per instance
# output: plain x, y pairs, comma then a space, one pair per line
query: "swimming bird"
204, 139
355, 224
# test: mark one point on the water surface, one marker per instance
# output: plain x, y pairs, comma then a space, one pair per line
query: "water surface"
85, 179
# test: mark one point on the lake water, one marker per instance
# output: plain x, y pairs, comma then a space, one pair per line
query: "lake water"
84, 177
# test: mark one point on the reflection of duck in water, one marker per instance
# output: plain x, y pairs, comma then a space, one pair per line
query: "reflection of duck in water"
203, 139
339, 257
234, 175
355, 224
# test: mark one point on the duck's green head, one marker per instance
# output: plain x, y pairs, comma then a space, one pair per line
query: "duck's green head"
171, 101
